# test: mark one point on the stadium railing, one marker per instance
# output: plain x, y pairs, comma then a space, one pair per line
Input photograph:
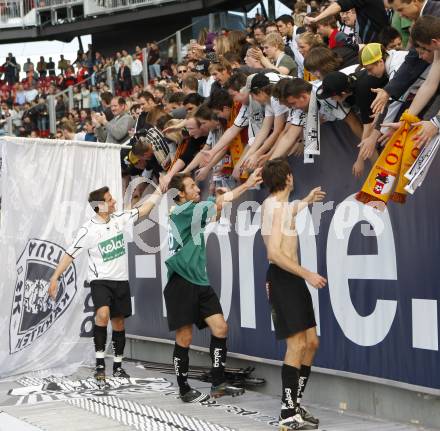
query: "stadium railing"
68, 94
25, 13
97, 7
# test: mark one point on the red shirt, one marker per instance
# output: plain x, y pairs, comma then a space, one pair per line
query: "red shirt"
332, 39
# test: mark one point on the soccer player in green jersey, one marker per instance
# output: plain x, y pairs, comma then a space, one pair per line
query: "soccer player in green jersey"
188, 296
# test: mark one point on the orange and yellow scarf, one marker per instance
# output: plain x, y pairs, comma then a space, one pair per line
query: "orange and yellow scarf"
237, 145
387, 177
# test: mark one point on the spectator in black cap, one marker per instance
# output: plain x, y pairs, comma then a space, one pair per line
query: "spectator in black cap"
355, 91
260, 87
205, 78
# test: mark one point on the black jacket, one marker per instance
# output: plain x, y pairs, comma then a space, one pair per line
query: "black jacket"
413, 66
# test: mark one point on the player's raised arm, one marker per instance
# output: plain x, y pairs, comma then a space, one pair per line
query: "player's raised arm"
150, 203
228, 196
315, 195
62, 266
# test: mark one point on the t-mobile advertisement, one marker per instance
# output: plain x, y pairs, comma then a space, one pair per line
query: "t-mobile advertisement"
377, 316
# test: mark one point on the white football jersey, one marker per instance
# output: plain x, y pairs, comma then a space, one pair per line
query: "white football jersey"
105, 244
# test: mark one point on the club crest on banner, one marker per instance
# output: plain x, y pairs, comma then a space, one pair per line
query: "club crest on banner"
33, 312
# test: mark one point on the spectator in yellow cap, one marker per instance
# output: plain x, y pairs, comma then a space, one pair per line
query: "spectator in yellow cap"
379, 62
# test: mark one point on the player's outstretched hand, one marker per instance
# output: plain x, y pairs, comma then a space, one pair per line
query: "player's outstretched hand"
316, 280
255, 178
316, 195
53, 288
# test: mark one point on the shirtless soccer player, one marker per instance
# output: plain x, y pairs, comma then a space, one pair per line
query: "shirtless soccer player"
188, 296
291, 302
103, 238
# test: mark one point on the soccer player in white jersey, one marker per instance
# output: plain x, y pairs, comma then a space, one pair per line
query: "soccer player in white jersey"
103, 239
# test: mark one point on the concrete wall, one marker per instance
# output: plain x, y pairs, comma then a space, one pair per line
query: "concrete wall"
334, 391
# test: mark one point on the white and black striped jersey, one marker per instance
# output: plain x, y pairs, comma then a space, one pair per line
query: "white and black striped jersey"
214, 136
105, 244
251, 116
329, 110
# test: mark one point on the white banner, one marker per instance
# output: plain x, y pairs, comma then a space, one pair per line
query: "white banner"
45, 186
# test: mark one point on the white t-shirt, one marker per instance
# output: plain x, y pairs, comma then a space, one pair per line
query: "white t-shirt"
136, 67
214, 136
274, 108
205, 85
251, 116
80, 136
299, 59
105, 244
31, 95
393, 62
396, 105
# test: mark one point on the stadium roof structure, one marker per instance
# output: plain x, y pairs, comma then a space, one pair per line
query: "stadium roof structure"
65, 19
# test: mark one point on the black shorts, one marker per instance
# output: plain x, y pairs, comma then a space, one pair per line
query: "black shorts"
114, 294
292, 306
189, 303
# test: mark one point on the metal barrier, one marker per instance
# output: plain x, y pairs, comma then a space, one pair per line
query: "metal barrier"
42, 4
12, 13
96, 7
21, 13
9, 128
24, 13
68, 95
10, 10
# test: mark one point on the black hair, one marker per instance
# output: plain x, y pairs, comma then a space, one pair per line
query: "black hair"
219, 99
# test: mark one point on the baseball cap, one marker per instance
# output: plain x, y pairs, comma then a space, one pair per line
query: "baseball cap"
202, 66
334, 83
179, 113
247, 87
371, 53
263, 80
258, 81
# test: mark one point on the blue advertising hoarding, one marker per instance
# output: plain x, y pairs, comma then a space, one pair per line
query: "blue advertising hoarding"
378, 315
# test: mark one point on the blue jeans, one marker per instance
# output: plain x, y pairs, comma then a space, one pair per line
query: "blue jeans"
154, 71
42, 123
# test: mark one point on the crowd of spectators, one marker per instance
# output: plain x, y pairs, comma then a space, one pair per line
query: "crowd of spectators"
238, 98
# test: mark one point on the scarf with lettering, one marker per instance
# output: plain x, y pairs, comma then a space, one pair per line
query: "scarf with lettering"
387, 177
417, 173
312, 130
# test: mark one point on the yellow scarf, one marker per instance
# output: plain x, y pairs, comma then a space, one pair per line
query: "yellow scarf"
397, 157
